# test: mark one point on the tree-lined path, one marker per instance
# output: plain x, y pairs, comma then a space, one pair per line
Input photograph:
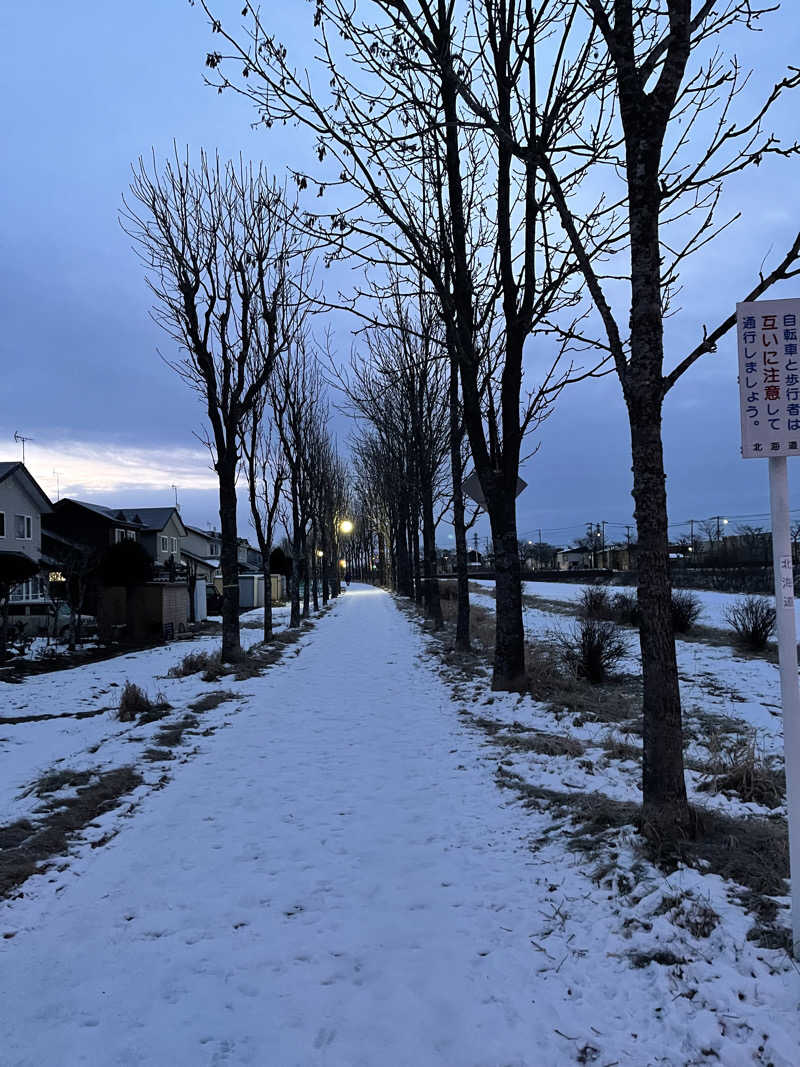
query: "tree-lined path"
333, 878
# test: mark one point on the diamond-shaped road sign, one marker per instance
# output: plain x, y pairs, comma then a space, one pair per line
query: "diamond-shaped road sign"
472, 488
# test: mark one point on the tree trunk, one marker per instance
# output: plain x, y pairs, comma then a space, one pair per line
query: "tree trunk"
433, 603
457, 470
267, 572
665, 805
509, 651
404, 582
4, 596
231, 647
413, 539
306, 587
314, 575
664, 801
381, 558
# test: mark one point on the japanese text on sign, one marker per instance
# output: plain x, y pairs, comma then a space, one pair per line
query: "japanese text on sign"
769, 377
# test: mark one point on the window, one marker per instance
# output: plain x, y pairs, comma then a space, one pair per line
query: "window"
23, 527
34, 589
173, 545
165, 544
124, 535
214, 549
2, 524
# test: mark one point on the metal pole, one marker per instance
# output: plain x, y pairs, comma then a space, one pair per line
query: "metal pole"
787, 657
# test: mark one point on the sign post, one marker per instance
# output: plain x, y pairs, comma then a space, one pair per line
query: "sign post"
769, 392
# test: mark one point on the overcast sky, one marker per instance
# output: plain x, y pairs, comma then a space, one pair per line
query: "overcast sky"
88, 87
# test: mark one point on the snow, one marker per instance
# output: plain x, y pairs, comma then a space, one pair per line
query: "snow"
714, 604
334, 878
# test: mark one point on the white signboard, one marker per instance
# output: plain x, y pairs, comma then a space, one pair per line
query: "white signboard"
769, 377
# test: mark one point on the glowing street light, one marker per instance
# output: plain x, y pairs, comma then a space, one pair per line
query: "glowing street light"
320, 553
346, 526
342, 563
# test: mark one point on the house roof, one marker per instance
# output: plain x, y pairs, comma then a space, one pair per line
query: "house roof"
111, 514
33, 487
213, 564
138, 518
212, 535
153, 518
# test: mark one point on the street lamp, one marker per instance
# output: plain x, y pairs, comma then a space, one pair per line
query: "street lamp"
346, 526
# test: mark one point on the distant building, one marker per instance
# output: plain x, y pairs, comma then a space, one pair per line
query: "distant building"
22, 504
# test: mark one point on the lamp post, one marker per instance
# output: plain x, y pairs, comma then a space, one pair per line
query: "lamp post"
342, 527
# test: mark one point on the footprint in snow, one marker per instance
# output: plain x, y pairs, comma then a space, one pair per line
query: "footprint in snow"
324, 1038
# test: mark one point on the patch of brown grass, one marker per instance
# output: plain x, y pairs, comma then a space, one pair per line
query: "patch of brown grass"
134, 702
172, 734
25, 846
212, 700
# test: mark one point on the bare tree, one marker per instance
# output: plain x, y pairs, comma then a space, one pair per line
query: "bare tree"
661, 136
227, 269
266, 474
401, 387
296, 399
388, 121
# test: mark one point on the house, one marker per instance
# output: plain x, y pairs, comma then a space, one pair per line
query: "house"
200, 555
202, 544
22, 504
160, 532
144, 613
573, 559
91, 525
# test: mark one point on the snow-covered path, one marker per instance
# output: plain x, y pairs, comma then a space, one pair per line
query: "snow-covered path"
321, 884
335, 879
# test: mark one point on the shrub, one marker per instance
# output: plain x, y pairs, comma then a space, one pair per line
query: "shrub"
595, 602
686, 609
593, 649
746, 771
625, 609
191, 664
753, 619
134, 702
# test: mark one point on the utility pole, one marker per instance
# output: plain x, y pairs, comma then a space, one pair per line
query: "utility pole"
590, 536
58, 484
177, 505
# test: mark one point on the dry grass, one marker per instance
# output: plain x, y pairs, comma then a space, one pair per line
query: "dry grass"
172, 733
739, 768
191, 664
542, 743
134, 703
212, 700
25, 846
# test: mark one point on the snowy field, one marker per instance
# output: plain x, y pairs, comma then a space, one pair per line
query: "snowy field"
714, 604
334, 878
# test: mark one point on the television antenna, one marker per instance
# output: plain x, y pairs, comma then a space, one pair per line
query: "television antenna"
21, 439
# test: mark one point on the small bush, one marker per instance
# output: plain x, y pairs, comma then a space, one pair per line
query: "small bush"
753, 619
593, 649
595, 602
191, 664
134, 702
625, 609
744, 770
686, 610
